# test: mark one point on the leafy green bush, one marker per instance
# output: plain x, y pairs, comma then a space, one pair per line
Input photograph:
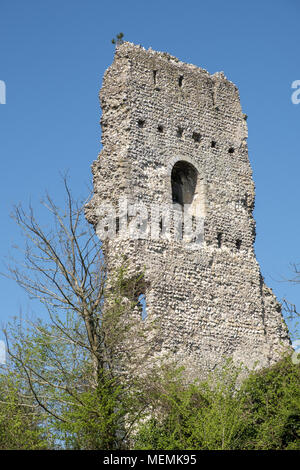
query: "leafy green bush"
20, 421
272, 401
261, 413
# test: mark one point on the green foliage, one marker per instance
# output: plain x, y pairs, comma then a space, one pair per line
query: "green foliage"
160, 411
219, 414
83, 406
20, 420
272, 402
203, 415
95, 419
118, 39
76, 366
83, 379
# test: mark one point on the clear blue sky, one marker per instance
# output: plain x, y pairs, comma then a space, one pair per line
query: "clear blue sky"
52, 58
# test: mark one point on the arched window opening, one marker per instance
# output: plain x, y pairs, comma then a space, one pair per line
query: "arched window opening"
188, 188
184, 182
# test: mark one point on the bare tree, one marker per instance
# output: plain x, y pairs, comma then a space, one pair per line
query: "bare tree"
75, 365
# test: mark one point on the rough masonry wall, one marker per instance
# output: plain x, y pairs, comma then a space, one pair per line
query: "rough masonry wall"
212, 302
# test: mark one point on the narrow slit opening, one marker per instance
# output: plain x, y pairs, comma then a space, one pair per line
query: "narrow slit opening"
154, 76
238, 244
179, 132
142, 306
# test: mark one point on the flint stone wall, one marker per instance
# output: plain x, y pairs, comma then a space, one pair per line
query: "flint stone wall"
212, 302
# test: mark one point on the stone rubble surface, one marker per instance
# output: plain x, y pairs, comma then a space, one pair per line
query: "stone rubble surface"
212, 302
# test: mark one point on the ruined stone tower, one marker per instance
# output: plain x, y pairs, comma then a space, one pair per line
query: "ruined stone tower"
172, 135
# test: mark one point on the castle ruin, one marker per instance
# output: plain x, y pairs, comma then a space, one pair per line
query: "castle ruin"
175, 147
